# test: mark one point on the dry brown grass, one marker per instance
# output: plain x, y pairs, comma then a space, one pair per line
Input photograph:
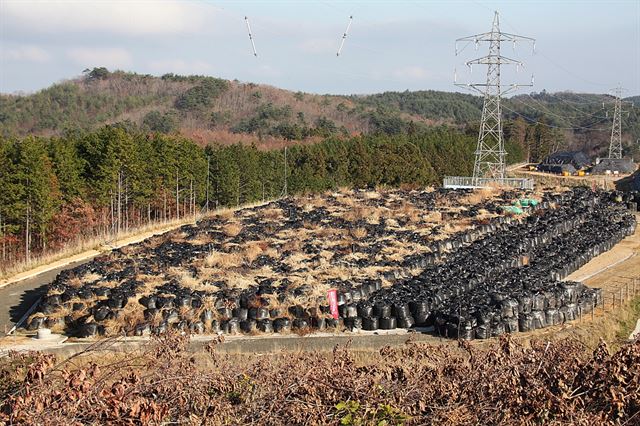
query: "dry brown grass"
223, 260
109, 284
359, 233
292, 245
90, 277
327, 232
150, 282
409, 211
186, 312
176, 237
272, 252
239, 281
373, 216
226, 214
208, 302
273, 302
371, 195
272, 213
452, 228
113, 327
356, 213
433, 217
183, 276
232, 229
75, 282
131, 315
479, 196
385, 213
296, 260
392, 223
252, 250
188, 280
346, 201
309, 226
201, 239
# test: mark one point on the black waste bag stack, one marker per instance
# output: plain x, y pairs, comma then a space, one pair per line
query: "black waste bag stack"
500, 277
484, 290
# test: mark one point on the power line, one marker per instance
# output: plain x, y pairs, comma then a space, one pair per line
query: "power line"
568, 104
541, 53
553, 62
571, 72
584, 100
533, 120
549, 112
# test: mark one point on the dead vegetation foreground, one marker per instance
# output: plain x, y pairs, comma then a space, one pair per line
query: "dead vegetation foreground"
501, 383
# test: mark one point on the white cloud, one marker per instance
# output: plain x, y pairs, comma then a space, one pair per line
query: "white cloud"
27, 54
265, 70
179, 66
116, 16
110, 57
318, 45
412, 72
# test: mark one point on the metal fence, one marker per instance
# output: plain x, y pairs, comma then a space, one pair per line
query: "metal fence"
459, 182
619, 292
614, 297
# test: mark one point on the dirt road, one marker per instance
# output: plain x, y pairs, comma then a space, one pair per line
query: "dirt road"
550, 179
609, 269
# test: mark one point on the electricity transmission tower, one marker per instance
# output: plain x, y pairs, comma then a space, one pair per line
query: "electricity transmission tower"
615, 147
490, 153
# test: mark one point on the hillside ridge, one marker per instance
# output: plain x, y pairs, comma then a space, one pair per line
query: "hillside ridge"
213, 110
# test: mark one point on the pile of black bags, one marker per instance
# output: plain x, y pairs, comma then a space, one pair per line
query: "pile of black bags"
500, 277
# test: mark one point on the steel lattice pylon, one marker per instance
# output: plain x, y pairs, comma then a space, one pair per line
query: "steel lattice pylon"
615, 147
490, 153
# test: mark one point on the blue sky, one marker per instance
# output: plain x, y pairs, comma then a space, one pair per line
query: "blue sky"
582, 46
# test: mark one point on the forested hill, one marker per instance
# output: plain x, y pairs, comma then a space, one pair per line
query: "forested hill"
575, 120
208, 109
211, 110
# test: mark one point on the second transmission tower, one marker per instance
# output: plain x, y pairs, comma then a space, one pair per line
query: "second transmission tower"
615, 147
490, 153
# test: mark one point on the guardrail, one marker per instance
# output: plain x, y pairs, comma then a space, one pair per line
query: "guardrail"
459, 182
24, 317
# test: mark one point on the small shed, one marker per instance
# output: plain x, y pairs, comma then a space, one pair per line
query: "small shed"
557, 168
614, 165
577, 159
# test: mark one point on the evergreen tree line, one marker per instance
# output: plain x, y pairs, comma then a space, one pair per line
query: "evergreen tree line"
83, 185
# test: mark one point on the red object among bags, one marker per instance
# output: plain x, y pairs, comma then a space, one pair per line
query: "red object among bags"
332, 295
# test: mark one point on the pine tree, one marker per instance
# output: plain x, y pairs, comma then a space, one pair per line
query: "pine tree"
40, 195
